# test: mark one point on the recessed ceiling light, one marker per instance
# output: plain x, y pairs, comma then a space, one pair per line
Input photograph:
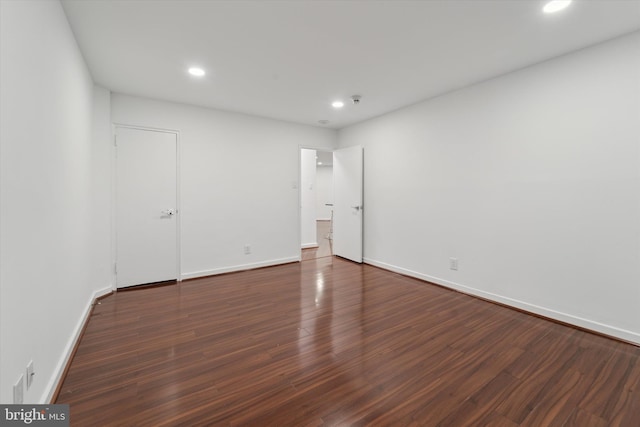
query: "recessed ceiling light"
319, 163
195, 71
556, 6
337, 104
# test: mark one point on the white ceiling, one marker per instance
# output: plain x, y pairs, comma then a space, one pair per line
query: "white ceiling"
289, 59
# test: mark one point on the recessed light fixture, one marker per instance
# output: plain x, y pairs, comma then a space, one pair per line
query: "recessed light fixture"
337, 104
195, 71
319, 163
556, 6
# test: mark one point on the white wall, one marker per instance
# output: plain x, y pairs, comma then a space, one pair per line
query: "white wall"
54, 194
308, 229
324, 191
102, 196
532, 180
238, 182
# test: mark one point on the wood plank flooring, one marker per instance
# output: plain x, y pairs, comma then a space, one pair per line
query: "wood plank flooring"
327, 342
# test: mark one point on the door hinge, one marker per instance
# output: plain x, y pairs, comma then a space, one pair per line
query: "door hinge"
115, 268
115, 140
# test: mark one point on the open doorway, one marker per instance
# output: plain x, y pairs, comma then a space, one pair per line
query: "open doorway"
316, 203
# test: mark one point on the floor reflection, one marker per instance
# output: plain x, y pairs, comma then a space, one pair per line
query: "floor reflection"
332, 311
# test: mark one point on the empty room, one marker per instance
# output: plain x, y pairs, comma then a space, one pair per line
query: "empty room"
320, 213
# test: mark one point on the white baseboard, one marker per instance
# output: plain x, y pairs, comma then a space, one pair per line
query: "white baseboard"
241, 267
55, 379
323, 219
592, 325
310, 245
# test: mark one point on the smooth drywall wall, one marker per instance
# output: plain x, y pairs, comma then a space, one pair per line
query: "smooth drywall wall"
324, 191
102, 197
308, 229
239, 182
531, 180
54, 194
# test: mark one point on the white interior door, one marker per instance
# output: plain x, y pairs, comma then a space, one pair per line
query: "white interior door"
347, 204
146, 206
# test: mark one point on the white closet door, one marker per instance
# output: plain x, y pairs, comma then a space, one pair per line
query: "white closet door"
146, 207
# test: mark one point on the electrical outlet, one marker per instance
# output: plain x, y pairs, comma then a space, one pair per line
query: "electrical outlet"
453, 263
247, 249
18, 391
30, 374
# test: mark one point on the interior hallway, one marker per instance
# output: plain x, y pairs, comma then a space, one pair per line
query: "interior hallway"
324, 248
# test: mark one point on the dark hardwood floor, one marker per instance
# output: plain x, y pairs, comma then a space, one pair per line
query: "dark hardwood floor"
332, 343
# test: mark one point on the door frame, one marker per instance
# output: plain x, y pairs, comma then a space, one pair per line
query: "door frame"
299, 186
114, 196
